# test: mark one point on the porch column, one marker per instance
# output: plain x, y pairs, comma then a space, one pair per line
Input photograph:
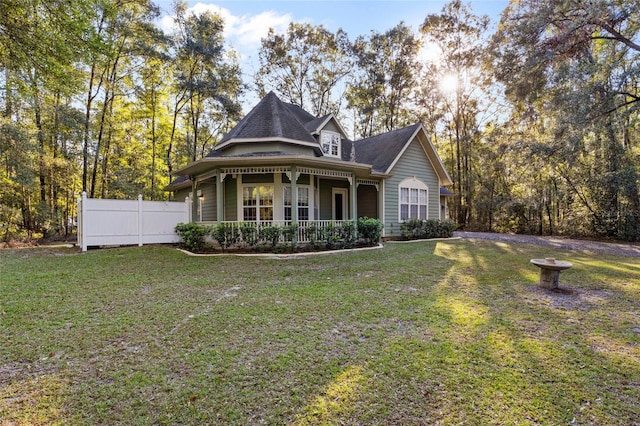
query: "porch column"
219, 197
381, 202
294, 195
194, 199
354, 199
294, 201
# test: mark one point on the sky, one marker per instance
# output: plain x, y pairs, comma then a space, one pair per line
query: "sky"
247, 21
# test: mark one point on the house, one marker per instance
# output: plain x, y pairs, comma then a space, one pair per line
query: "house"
282, 165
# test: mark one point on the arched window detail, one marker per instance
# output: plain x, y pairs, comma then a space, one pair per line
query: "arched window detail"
413, 199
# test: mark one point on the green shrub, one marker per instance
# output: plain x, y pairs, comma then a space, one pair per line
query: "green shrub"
312, 234
347, 233
249, 233
226, 235
370, 230
270, 235
331, 236
414, 229
192, 236
447, 228
290, 236
290, 233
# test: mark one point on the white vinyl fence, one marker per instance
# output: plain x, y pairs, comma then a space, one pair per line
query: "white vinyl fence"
124, 222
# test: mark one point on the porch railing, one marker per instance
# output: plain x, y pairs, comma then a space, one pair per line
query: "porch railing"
307, 231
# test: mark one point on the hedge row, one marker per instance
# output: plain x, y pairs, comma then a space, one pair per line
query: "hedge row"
416, 229
249, 235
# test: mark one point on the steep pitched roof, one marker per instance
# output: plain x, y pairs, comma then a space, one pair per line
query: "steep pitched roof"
301, 115
380, 151
383, 151
271, 119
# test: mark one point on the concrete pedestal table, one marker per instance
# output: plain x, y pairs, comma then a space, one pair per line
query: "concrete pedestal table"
550, 271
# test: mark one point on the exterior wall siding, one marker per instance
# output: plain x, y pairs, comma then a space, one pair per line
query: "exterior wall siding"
252, 148
230, 199
325, 196
331, 127
181, 194
209, 204
414, 162
263, 178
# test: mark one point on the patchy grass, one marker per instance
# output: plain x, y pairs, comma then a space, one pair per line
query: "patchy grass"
453, 332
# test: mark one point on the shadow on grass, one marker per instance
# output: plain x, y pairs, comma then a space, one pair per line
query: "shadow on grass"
432, 332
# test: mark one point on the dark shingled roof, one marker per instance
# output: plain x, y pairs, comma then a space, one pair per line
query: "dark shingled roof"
313, 124
272, 118
381, 150
301, 115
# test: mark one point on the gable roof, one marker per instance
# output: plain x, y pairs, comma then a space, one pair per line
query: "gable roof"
383, 151
272, 120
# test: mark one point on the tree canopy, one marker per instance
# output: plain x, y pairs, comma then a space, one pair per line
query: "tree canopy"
537, 119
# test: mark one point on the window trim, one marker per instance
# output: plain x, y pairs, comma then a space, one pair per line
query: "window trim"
309, 207
259, 204
409, 184
338, 144
345, 202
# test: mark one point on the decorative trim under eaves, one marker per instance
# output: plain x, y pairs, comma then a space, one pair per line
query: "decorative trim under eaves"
325, 173
368, 182
252, 171
287, 170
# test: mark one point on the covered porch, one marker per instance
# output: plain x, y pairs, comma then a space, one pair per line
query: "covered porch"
301, 194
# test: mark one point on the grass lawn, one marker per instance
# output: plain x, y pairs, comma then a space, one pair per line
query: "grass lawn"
454, 332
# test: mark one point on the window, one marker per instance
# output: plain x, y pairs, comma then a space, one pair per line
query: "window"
303, 203
413, 199
257, 203
330, 143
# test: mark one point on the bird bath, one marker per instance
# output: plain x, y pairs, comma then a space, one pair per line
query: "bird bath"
550, 269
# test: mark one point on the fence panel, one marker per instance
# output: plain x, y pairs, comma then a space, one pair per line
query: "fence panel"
125, 222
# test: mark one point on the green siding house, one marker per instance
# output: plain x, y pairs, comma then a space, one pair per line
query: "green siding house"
282, 165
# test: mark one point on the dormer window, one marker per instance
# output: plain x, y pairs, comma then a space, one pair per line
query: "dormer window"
330, 143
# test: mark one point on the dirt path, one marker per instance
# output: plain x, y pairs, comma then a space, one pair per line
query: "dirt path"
619, 249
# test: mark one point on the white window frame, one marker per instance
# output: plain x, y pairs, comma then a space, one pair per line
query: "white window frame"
334, 141
259, 203
309, 206
417, 196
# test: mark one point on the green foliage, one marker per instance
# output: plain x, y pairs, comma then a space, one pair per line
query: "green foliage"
290, 234
249, 233
226, 234
311, 234
348, 234
461, 98
289, 65
208, 77
330, 234
192, 235
387, 73
561, 158
370, 230
270, 235
414, 229
574, 97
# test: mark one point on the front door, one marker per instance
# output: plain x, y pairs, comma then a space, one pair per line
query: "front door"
340, 204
